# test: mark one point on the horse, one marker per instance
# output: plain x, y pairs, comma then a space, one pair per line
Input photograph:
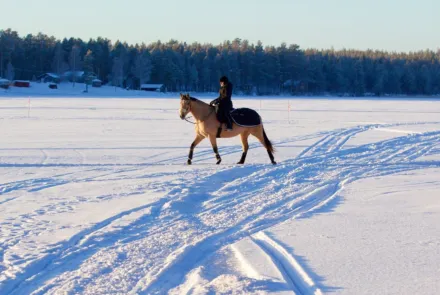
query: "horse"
208, 126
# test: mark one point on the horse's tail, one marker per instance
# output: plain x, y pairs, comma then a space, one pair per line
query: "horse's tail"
267, 143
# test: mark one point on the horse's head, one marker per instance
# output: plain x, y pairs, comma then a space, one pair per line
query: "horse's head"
185, 105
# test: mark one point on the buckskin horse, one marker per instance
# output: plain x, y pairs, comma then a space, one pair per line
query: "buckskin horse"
245, 122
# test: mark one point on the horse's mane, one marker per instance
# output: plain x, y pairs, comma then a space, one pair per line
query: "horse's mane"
197, 100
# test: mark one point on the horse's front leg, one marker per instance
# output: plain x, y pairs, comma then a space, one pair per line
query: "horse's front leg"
196, 141
213, 140
244, 141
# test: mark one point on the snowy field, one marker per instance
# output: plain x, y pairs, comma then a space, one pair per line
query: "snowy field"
95, 199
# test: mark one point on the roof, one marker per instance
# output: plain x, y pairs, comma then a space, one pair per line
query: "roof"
22, 81
4, 81
151, 85
76, 73
96, 80
52, 75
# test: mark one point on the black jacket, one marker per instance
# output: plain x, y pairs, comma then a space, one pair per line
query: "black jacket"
225, 94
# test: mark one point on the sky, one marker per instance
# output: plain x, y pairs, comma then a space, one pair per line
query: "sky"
392, 25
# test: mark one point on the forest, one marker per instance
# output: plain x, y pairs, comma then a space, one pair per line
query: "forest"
252, 68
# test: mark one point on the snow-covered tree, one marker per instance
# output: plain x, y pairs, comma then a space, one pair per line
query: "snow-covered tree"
117, 72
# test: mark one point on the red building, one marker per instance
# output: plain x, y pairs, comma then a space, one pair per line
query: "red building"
19, 83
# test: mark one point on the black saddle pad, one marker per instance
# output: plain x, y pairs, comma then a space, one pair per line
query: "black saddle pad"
245, 117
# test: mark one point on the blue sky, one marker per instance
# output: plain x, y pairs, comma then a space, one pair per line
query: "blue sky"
392, 25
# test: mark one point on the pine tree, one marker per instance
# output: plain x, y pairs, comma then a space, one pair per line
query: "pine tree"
409, 81
117, 72
142, 67
10, 72
379, 85
194, 77
359, 83
424, 81
88, 68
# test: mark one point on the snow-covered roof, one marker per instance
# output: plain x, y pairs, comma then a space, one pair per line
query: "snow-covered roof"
4, 81
76, 73
96, 80
22, 81
151, 85
52, 75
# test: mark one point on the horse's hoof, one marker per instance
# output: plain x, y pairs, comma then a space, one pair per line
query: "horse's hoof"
274, 163
218, 162
189, 162
240, 163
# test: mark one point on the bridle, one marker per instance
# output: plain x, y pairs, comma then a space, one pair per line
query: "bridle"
188, 110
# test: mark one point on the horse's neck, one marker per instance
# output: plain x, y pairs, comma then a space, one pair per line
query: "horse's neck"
199, 109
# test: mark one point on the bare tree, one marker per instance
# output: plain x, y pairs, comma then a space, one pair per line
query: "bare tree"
75, 62
59, 66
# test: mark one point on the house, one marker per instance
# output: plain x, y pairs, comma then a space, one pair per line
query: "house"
96, 83
4, 83
153, 87
21, 83
49, 78
77, 76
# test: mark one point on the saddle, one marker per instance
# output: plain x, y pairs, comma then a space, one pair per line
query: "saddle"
245, 117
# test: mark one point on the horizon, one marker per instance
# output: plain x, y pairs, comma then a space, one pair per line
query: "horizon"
364, 25
113, 41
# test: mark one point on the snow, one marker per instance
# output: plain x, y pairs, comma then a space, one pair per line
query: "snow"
66, 90
95, 198
151, 85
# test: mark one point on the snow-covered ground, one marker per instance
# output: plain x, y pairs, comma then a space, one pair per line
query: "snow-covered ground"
95, 199
67, 89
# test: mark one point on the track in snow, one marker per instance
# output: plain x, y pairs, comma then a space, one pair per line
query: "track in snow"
151, 248
292, 270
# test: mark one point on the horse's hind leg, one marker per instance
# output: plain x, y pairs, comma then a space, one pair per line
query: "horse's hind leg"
244, 142
196, 141
260, 134
213, 140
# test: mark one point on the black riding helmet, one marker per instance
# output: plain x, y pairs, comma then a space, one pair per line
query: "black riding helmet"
224, 79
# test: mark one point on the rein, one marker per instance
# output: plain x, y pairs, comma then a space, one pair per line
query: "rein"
202, 120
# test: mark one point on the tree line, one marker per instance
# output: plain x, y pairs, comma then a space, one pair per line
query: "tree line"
253, 68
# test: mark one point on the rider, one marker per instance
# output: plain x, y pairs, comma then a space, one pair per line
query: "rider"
224, 102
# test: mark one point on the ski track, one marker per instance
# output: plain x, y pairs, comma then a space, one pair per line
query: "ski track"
300, 281
206, 210
45, 156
